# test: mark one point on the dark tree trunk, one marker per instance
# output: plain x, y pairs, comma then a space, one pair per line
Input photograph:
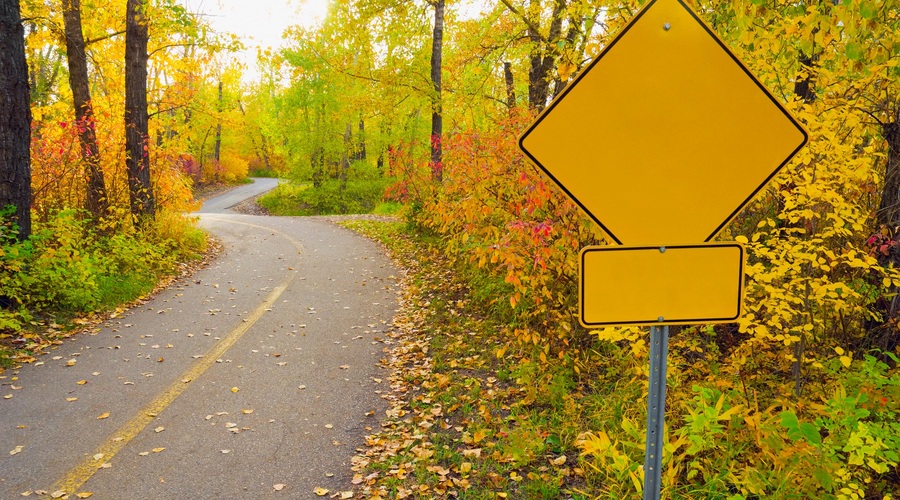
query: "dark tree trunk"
84, 110
804, 87
137, 144
343, 175
883, 334
437, 121
15, 119
218, 147
361, 141
543, 57
510, 86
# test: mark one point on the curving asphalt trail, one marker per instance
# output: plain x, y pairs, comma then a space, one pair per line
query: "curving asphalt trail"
256, 377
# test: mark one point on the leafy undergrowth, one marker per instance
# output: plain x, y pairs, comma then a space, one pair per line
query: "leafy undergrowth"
69, 277
463, 422
475, 414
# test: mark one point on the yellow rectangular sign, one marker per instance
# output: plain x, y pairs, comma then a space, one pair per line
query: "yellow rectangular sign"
652, 285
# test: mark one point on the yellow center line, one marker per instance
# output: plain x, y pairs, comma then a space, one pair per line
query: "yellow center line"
82, 472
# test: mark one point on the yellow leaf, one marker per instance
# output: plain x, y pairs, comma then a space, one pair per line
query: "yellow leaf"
479, 435
103, 416
278, 487
84, 494
845, 360
246, 412
158, 450
320, 491
839, 351
81, 382
234, 389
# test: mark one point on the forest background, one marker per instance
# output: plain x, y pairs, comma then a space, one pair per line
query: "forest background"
414, 107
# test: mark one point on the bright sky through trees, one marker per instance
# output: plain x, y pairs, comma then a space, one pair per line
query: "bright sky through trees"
258, 23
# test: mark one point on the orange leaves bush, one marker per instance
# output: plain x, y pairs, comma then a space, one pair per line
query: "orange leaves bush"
497, 213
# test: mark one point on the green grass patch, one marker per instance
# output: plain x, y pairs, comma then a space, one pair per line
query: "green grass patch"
68, 270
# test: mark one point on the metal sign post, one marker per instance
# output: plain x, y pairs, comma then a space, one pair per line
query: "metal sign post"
656, 411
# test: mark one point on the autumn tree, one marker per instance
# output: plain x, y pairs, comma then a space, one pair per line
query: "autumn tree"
437, 123
85, 123
15, 118
137, 143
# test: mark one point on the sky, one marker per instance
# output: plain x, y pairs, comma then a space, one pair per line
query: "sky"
258, 23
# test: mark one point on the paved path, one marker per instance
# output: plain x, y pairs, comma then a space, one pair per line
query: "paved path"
258, 371
222, 204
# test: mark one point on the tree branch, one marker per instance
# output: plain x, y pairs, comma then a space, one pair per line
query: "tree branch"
533, 27
169, 46
104, 37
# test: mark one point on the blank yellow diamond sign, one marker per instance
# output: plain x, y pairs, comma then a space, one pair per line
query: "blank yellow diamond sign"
662, 140
665, 136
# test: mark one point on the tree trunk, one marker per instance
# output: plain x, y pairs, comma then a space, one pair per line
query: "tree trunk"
137, 144
883, 333
510, 86
361, 141
804, 85
218, 146
543, 57
96, 200
343, 175
15, 119
437, 122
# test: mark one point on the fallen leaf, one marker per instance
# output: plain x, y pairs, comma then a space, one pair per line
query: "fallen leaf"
559, 461
71, 399
70, 362
346, 494
8, 396
234, 389
81, 382
58, 494
98, 456
144, 453
301, 387
246, 412
278, 487
345, 367
16, 450
107, 465
225, 451
320, 491
159, 429
26, 493
85, 494
103, 416
158, 450
329, 426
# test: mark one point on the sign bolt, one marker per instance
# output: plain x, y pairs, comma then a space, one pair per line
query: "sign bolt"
662, 249
660, 319
667, 26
